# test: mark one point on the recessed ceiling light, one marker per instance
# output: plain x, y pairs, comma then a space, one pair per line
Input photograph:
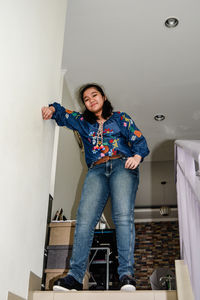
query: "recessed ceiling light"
171, 22
159, 117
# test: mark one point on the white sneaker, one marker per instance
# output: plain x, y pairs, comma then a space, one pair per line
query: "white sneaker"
127, 283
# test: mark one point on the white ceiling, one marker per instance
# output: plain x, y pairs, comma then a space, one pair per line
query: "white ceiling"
145, 68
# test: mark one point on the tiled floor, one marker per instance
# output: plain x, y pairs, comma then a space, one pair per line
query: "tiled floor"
105, 295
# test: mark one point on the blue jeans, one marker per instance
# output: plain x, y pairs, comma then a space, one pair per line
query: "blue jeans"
110, 178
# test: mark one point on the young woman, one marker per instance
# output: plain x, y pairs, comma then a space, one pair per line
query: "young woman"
114, 148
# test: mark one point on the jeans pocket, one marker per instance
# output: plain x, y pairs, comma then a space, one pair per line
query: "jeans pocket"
135, 171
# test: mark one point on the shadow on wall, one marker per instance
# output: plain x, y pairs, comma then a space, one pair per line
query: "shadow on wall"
164, 151
34, 285
162, 170
12, 296
79, 186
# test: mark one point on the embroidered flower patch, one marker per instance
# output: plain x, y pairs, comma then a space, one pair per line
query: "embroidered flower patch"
137, 133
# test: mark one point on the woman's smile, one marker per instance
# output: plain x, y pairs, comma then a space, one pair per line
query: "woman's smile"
93, 104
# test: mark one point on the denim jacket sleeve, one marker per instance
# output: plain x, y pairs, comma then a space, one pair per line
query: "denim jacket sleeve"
65, 117
134, 136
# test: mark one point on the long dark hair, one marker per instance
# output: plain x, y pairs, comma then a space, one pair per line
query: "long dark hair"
107, 106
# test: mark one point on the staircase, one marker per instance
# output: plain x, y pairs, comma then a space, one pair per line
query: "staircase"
106, 295
184, 291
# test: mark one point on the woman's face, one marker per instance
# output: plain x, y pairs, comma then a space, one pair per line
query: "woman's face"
93, 100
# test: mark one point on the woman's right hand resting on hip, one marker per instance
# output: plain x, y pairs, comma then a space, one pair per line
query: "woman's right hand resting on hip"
47, 112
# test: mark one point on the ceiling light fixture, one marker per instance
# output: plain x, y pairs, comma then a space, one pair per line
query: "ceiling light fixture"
171, 22
159, 117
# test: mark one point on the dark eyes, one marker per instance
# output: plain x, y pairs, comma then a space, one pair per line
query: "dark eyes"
86, 99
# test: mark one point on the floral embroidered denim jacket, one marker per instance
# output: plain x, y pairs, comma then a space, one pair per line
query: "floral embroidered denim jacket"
120, 134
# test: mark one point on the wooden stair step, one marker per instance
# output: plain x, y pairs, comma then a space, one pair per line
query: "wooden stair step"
105, 295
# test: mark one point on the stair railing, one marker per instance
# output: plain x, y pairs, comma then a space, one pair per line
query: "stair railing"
187, 166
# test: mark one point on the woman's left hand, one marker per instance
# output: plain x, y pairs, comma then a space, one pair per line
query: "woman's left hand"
133, 162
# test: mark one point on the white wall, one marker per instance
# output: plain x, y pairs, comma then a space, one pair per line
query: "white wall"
71, 167
30, 58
